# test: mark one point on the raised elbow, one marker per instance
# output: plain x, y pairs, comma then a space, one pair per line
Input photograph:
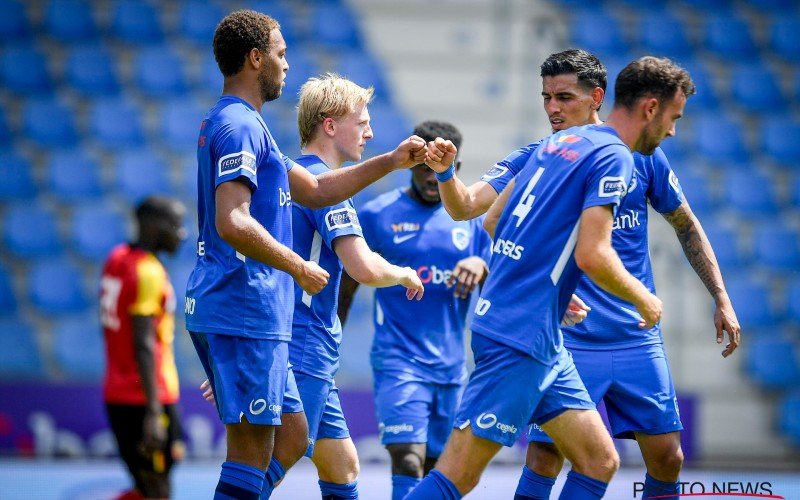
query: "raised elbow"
227, 229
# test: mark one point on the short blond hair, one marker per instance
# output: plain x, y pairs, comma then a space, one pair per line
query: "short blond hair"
327, 96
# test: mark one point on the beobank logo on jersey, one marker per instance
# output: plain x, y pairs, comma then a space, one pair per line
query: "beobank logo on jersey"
433, 275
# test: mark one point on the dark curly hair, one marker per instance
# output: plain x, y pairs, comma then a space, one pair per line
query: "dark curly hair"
590, 71
429, 130
651, 76
237, 34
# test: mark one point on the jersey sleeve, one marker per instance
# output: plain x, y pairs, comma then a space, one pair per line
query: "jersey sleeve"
482, 241
506, 169
236, 150
664, 192
288, 162
337, 220
150, 278
608, 176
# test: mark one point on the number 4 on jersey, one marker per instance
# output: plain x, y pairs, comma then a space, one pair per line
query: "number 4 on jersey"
526, 202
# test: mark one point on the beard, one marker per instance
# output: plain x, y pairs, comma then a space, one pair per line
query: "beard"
269, 89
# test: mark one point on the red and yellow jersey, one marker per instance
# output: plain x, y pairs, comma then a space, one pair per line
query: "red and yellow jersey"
135, 283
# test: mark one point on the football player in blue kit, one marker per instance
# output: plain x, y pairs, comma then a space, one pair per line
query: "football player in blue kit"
240, 296
640, 399
417, 353
551, 224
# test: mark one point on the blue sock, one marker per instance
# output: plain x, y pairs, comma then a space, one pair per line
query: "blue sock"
655, 488
239, 482
533, 486
334, 491
275, 473
402, 485
435, 486
580, 487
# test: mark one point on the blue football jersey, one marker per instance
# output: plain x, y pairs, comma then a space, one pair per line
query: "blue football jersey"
532, 267
424, 339
316, 330
614, 323
506, 169
228, 293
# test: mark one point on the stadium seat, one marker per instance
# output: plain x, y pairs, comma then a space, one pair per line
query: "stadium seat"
785, 37
30, 231
180, 125
660, 32
74, 176
141, 173
210, 79
777, 7
5, 132
91, 70
19, 353
282, 12
56, 287
87, 240
70, 21
17, 174
706, 96
302, 66
599, 33
708, 5
116, 123
793, 300
198, 20
789, 417
136, 22
726, 244
696, 186
188, 179
718, 138
334, 26
364, 70
49, 123
750, 193
776, 247
8, 300
79, 348
778, 141
795, 191
773, 362
755, 88
14, 24
389, 126
751, 299
729, 37
23, 69
159, 72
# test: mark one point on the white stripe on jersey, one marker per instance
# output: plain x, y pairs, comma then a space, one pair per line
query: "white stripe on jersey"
561, 263
316, 249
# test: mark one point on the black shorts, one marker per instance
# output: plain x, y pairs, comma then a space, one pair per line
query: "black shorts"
150, 471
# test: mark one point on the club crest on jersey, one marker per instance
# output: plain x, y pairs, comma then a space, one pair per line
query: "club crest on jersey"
611, 186
569, 139
633, 183
341, 217
460, 238
673, 181
237, 161
494, 172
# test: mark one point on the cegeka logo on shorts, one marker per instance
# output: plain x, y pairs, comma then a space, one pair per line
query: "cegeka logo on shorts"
489, 420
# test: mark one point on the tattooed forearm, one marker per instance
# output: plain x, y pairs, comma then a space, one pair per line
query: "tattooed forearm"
697, 248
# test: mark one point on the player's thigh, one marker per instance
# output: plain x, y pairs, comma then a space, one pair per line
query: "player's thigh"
642, 396
403, 408
583, 439
336, 460
465, 457
443, 414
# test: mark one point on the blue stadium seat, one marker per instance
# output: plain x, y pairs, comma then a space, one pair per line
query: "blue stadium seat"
335, 26
755, 88
30, 231
116, 123
5, 132
91, 242
785, 37
696, 186
70, 21
141, 173
14, 24
793, 300
210, 80
789, 417
776, 247
188, 180
708, 5
777, 7
389, 126
79, 348
56, 287
726, 244
795, 191
599, 33
74, 176
180, 125
728, 36
159, 72
284, 14
49, 123
751, 299
17, 174
778, 139
660, 32
751, 193
364, 70
198, 20
8, 300
302, 66
23, 69
136, 22
19, 353
91, 70
706, 96
718, 138
773, 362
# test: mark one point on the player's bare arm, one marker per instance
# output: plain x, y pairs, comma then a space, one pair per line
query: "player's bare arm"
493, 215
347, 290
598, 259
468, 273
333, 187
701, 256
240, 230
369, 268
464, 202
144, 339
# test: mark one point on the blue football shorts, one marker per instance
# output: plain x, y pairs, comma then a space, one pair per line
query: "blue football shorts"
510, 389
636, 386
248, 376
320, 400
412, 411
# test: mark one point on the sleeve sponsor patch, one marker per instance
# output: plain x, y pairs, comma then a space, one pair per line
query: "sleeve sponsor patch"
673, 181
611, 186
494, 172
236, 161
341, 218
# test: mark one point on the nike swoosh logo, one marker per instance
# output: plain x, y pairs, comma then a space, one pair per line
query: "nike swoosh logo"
400, 239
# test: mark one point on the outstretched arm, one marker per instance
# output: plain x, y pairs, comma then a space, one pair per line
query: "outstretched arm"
701, 256
464, 202
369, 268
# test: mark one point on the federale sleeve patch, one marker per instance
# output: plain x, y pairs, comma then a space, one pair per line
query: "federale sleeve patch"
230, 163
611, 186
341, 218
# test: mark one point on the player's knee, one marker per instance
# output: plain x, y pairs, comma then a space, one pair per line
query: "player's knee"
670, 463
544, 459
406, 461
